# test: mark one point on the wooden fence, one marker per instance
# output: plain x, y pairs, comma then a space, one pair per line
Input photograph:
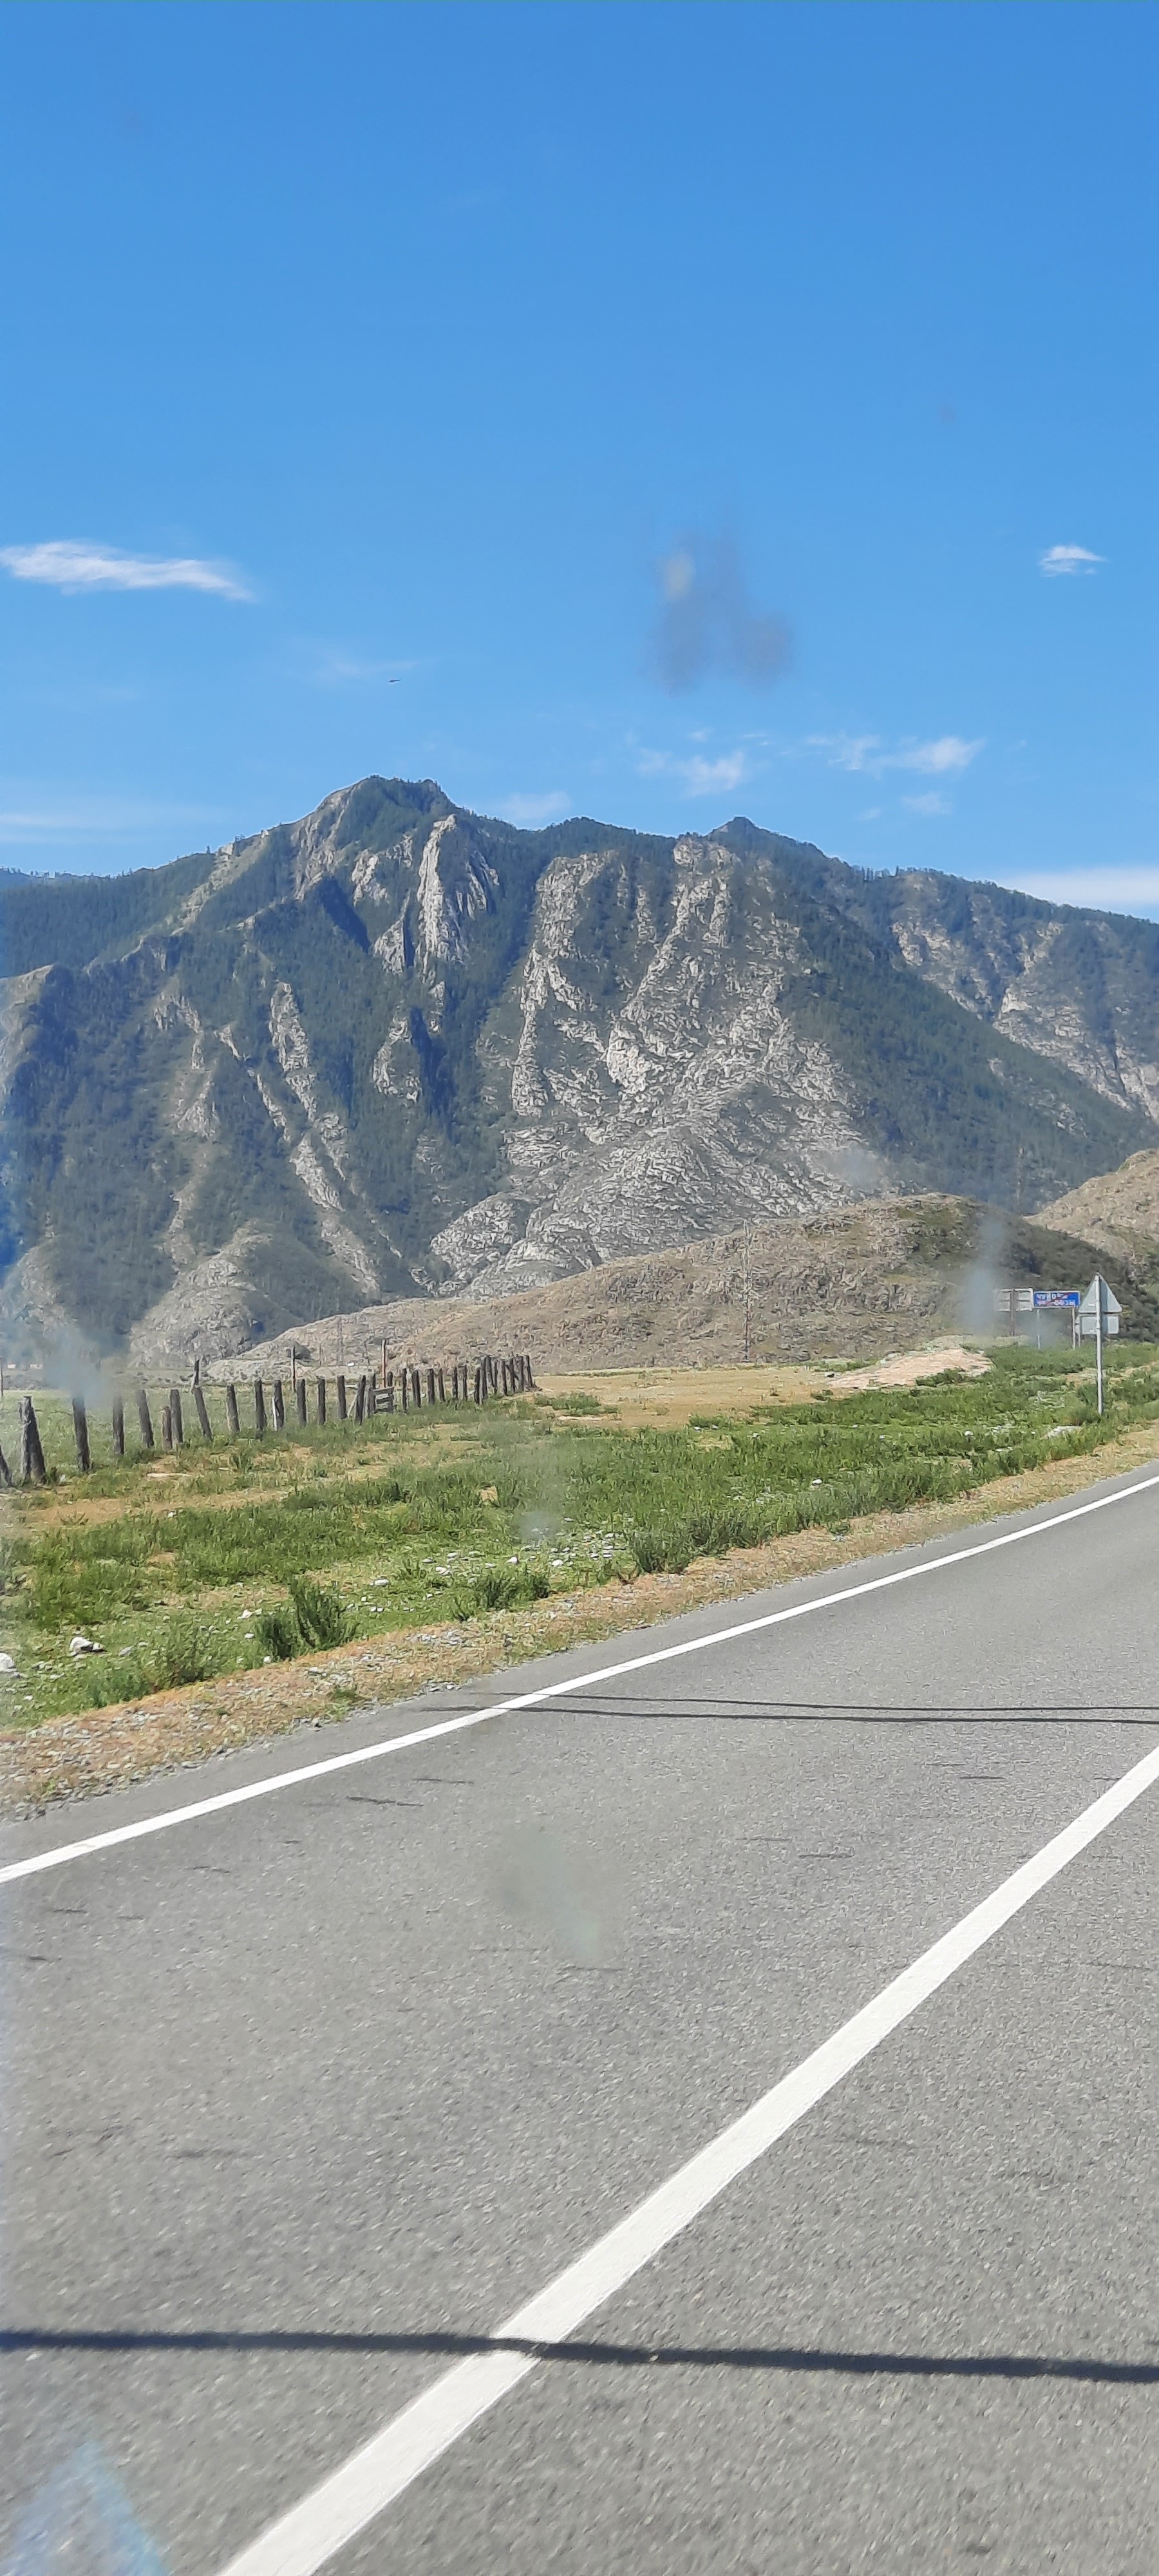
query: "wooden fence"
406, 1389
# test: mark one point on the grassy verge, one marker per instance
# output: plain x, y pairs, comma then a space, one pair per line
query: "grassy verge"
215, 1563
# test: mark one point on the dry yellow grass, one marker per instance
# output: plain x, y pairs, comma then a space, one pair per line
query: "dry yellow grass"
668, 1399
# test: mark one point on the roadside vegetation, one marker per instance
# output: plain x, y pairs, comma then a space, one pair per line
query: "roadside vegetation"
182, 1567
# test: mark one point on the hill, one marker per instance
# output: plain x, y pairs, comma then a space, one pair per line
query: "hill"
853, 1283
398, 1049
1118, 1210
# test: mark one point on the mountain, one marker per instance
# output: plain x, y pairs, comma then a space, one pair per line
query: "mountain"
399, 1049
1118, 1211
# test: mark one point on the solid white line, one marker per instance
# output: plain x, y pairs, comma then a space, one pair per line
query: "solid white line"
308, 2536
61, 1852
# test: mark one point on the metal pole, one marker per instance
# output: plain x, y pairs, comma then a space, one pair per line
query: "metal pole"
1099, 1338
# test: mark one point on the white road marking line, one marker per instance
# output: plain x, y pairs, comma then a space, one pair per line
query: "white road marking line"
310, 2534
61, 1852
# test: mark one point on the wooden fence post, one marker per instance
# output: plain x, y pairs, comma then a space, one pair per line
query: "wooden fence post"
231, 1411
80, 1433
300, 1399
145, 1419
31, 1453
321, 1399
279, 1405
340, 1384
360, 1401
204, 1423
430, 1386
259, 1408
118, 1426
477, 1389
404, 1388
388, 1389
175, 1415
166, 1427
5, 1470
527, 1366
441, 1386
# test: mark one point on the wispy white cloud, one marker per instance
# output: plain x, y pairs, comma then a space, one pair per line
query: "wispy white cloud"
67, 563
1105, 889
929, 803
533, 812
847, 750
945, 757
698, 776
1064, 559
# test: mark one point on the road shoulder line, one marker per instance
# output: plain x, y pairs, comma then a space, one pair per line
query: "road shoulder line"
310, 2534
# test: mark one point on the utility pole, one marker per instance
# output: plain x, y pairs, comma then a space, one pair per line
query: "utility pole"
748, 1292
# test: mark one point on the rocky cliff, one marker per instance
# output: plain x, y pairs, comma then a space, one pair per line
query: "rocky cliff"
398, 1049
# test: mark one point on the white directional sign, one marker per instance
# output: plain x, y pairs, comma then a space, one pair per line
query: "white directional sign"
1100, 1305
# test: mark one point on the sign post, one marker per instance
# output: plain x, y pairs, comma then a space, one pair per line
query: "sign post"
1098, 1321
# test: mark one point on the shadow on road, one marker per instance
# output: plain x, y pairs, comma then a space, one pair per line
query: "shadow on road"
617, 2356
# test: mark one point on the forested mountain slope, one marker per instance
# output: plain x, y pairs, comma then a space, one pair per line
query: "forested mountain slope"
397, 1048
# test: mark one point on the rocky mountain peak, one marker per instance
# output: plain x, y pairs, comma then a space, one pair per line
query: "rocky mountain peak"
396, 1047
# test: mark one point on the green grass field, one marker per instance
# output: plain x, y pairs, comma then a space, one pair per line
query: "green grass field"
188, 1565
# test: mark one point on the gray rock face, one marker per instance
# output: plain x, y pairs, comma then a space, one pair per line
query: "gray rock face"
397, 1049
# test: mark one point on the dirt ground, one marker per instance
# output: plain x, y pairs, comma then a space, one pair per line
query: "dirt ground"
108, 1748
908, 1368
667, 1399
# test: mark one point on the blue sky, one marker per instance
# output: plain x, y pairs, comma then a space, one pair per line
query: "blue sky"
658, 412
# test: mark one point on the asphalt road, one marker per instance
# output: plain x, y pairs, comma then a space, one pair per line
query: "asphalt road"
305, 2096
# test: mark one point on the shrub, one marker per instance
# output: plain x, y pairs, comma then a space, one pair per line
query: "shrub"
661, 1551
500, 1587
180, 1654
276, 1631
496, 1588
319, 1612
